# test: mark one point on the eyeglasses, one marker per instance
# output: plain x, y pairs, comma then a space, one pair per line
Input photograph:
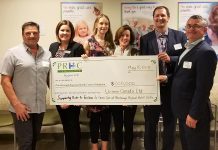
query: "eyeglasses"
195, 26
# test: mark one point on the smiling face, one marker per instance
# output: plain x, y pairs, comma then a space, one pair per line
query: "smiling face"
160, 18
31, 36
82, 30
195, 30
64, 33
102, 25
124, 39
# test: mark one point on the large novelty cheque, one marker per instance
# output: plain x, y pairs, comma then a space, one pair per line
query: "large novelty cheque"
125, 80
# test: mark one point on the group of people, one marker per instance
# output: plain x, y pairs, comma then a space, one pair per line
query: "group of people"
186, 71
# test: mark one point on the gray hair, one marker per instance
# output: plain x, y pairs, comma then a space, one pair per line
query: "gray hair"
203, 20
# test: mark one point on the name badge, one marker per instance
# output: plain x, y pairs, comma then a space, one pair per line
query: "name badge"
67, 52
187, 64
45, 63
177, 46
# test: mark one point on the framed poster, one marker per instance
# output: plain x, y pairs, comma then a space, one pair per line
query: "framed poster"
208, 10
187, 9
139, 16
82, 15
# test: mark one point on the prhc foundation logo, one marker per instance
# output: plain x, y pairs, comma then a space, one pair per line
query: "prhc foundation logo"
69, 67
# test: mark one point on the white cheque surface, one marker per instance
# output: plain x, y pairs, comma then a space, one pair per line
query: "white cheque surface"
126, 80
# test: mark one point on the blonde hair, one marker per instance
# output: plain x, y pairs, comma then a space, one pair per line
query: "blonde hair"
77, 27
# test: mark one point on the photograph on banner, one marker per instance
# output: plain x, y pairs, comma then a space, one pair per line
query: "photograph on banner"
209, 11
139, 16
82, 15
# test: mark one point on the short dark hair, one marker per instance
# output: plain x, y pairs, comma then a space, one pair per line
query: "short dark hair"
162, 7
68, 23
119, 33
30, 23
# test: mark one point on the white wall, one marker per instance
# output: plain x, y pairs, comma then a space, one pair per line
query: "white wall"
14, 13
47, 13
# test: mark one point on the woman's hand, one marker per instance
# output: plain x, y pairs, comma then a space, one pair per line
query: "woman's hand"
84, 56
64, 106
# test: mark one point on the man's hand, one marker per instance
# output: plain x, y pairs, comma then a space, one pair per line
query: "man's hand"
163, 56
190, 122
162, 78
20, 108
22, 111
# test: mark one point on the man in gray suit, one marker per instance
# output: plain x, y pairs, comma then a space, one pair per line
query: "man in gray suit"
192, 82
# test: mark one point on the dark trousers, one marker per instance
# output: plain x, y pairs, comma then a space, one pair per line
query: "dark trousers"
70, 120
27, 132
151, 115
100, 122
123, 116
198, 138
